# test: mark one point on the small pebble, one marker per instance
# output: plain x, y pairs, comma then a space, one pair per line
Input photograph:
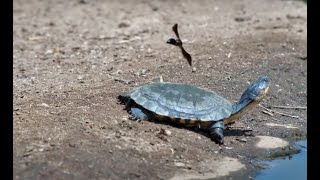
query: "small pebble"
72, 145
118, 135
123, 25
243, 140
109, 68
167, 132
50, 51
143, 72
52, 24
82, 1
179, 164
44, 105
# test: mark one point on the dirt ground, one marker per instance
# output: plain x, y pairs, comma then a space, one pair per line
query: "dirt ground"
72, 58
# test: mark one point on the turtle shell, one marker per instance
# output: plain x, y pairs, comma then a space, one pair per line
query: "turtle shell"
181, 101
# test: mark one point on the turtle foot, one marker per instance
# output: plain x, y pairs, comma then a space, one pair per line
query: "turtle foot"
122, 99
216, 132
138, 114
217, 136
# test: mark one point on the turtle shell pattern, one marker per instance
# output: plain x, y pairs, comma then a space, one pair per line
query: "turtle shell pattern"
181, 102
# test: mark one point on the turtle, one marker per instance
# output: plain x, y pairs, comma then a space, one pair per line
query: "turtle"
191, 106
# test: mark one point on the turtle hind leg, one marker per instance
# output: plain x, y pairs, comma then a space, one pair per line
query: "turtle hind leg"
216, 132
127, 101
139, 114
123, 99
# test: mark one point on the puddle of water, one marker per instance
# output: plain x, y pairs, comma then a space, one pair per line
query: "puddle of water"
294, 167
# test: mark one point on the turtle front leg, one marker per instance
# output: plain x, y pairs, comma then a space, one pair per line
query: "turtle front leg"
216, 131
139, 114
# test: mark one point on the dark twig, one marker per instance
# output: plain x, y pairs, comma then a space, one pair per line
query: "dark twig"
178, 42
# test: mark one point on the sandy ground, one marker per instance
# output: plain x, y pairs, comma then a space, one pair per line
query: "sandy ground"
72, 58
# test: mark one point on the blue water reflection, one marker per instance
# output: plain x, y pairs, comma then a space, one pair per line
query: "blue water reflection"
291, 168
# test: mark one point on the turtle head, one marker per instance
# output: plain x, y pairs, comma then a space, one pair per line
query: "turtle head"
251, 97
257, 90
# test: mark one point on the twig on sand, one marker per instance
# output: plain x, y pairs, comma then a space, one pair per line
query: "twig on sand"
284, 114
267, 109
276, 112
267, 112
290, 107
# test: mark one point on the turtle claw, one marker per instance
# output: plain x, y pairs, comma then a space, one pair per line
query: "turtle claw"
136, 119
138, 114
216, 132
217, 138
132, 117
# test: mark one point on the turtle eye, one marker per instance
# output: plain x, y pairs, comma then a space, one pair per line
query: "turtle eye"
265, 79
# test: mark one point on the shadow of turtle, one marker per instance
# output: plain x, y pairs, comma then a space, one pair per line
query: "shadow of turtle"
227, 131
